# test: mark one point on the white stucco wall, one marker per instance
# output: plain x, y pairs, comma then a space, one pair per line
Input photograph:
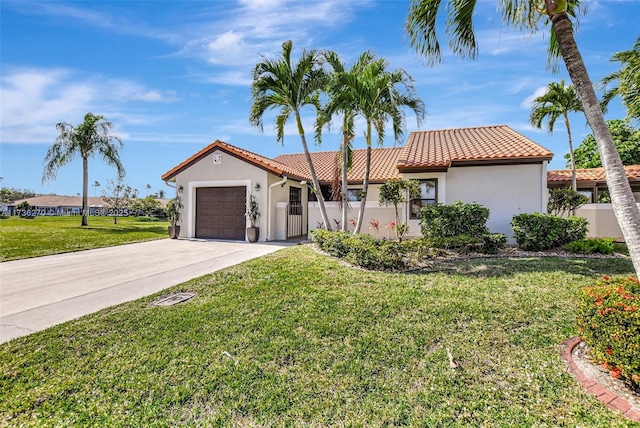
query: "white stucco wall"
373, 211
602, 220
506, 190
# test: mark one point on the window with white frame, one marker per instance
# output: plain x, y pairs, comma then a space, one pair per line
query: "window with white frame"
428, 196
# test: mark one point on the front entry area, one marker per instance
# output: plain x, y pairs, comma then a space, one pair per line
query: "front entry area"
220, 213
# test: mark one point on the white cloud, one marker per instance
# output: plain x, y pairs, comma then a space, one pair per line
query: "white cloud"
231, 78
33, 100
527, 103
228, 48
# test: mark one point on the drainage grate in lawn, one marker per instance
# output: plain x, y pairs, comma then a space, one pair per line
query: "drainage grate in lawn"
173, 299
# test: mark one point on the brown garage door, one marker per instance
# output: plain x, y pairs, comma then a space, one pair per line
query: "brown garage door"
220, 212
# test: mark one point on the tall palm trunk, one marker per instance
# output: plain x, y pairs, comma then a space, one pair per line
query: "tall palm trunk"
85, 188
312, 171
365, 183
624, 205
574, 179
345, 185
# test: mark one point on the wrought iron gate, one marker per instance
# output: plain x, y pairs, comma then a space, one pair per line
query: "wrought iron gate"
294, 212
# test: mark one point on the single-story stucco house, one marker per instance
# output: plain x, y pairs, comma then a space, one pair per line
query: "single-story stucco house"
492, 165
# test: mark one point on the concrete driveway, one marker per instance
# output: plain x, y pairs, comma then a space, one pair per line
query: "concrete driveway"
40, 292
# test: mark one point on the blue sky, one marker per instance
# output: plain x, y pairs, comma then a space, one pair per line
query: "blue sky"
175, 76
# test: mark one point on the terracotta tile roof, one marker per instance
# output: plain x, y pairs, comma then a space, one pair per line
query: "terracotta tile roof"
590, 174
253, 158
425, 150
488, 144
383, 164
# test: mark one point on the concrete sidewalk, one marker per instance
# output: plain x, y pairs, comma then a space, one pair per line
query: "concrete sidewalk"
40, 292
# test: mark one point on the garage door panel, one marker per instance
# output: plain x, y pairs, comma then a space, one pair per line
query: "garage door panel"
220, 213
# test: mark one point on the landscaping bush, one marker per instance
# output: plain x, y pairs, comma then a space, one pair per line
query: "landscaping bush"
591, 245
489, 243
493, 242
540, 232
334, 243
440, 221
361, 250
565, 200
609, 321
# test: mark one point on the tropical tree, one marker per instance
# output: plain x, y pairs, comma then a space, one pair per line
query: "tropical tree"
348, 113
559, 100
85, 140
396, 192
628, 81
527, 14
162, 194
371, 91
118, 196
626, 139
280, 84
148, 186
96, 184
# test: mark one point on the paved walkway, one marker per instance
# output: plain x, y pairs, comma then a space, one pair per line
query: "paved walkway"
40, 292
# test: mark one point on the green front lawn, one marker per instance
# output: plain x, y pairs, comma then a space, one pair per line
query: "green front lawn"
298, 339
23, 238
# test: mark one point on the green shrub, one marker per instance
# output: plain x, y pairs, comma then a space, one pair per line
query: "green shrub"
591, 245
361, 250
493, 242
375, 254
461, 243
490, 243
440, 221
540, 232
609, 321
564, 200
334, 243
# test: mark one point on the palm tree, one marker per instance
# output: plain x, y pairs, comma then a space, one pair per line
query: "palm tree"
161, 194
333, 89
96, 184
628, 81
148, 186
526, 14
370, 91
559, 100
85, 140
277, 83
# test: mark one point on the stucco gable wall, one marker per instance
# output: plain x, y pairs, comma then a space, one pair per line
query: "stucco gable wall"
230, 172
506, 190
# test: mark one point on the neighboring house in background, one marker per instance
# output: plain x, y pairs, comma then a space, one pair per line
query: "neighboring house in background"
54, 205
592, 183
493, 166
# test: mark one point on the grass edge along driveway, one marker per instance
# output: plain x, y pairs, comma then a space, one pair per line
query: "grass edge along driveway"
296, 338
42, 236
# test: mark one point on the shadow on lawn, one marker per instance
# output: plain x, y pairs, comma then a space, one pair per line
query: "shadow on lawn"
499, 267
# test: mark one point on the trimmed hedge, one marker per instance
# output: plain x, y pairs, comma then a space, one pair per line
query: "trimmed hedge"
540, 232
377, 254
609, 321
441, 221
490, 243
361, 250
592, 245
